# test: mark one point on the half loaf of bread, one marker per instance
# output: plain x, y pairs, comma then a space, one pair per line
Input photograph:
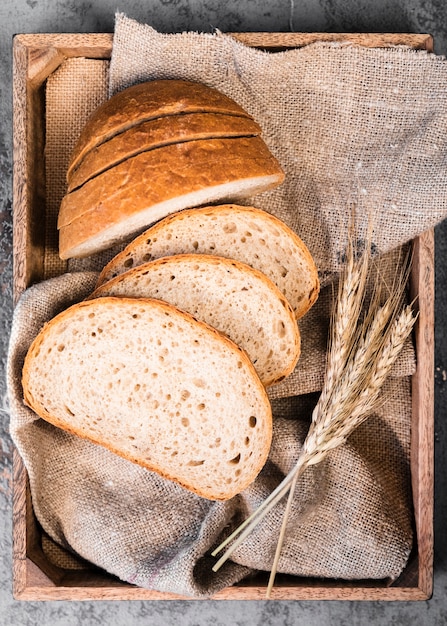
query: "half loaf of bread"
147, 101
156, 386
156, 133
127, 198
234, 298
247, 234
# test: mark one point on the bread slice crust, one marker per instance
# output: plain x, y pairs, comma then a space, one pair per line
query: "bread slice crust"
245, 233
146, 101
231, 296
155, 386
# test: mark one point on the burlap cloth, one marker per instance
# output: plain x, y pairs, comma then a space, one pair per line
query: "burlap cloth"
351, 127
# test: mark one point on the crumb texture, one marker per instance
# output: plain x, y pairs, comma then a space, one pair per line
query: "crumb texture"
155, 386
247, 234
230, 296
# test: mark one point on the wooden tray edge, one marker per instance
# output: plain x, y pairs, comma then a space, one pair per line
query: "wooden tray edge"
35, 57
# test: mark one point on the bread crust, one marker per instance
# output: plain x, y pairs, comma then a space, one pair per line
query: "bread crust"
156, 133
200, 271
146, 101
137, 188
189, 323
141, 246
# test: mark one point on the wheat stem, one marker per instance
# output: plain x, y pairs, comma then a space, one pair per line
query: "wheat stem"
252, 521
282, 533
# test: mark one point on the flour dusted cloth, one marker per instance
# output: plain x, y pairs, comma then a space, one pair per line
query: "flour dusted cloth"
351, 126
351, 519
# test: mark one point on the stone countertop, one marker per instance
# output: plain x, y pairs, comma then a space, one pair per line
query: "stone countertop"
43, 16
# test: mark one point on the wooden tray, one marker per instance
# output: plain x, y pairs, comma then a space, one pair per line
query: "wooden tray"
35, 576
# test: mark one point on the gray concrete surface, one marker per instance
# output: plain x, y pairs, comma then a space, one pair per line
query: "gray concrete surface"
232, 15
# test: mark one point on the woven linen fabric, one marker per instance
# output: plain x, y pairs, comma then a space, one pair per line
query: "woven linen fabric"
351, 126
351, 517
72, 92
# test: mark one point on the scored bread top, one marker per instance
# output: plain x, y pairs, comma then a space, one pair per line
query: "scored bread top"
127, 198
146, 101
156, 386
229, 295
159, 132
245, 233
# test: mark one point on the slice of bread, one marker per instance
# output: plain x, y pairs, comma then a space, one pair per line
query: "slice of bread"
232, 297
244, 233
156, 386
156, 133
146, 101
129, 197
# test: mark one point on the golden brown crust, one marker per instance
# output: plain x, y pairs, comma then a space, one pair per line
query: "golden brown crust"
162, 175
41, 411
165, 173
157, 133
146, 101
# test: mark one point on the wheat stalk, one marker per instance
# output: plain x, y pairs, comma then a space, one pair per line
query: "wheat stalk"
360, 357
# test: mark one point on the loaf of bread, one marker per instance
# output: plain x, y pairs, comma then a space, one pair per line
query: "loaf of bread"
147, 101
127, 198
234, 298
156, 386
247, 234
153, 149
156, 133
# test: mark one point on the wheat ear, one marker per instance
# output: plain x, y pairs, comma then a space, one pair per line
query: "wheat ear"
361, 356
